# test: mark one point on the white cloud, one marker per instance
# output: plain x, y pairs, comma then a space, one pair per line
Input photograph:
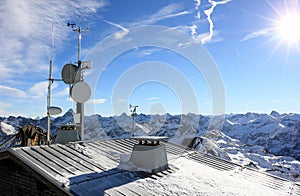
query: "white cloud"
165, 12
40, 89
155, 18
197, 4
193, 29
25, 31
208, 13
152, 98
198, 16
256, 34
64, 92
5, 105
142, 52
122, 100
120, 34
3, 111
97, 101
69, 99
12, 92
169, 11
199, 37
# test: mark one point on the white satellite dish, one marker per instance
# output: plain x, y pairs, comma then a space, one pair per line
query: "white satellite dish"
81, 92
68, 73
54, 110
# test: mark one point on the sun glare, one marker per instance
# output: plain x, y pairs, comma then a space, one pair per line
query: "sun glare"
289, 28
284, 34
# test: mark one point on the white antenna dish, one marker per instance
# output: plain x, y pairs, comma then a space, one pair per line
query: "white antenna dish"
54, 110
81, 92
69, 73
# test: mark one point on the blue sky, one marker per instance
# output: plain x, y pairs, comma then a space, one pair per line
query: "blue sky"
249, 53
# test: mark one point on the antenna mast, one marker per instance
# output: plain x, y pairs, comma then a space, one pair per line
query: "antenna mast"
79, 106
49, 88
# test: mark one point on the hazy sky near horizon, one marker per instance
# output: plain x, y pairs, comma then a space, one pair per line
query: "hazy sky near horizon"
249, 53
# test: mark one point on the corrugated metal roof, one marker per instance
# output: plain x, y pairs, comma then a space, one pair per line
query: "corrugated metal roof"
91, 167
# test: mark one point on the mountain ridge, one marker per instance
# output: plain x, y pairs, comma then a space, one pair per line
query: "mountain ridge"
266, 141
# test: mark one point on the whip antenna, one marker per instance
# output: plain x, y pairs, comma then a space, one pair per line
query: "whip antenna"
51, 110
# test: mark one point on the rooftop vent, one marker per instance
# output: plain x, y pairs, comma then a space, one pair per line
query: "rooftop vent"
149, 153
67, 133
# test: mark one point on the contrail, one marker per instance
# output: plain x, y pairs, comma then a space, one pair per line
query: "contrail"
118, 35
208, 13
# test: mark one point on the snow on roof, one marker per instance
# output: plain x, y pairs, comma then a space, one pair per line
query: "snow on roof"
93, 167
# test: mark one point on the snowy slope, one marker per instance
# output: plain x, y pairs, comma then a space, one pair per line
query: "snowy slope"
211, 181
7, 129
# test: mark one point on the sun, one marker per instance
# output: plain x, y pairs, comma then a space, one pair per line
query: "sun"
288, 27
284, 29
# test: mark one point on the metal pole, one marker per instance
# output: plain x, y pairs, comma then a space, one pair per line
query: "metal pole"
132, 125
80, 106
49, 89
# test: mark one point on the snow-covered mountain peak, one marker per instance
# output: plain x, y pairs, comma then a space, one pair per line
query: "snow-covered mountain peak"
275, 114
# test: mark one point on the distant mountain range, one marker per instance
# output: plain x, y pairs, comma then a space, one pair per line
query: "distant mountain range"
265, 141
